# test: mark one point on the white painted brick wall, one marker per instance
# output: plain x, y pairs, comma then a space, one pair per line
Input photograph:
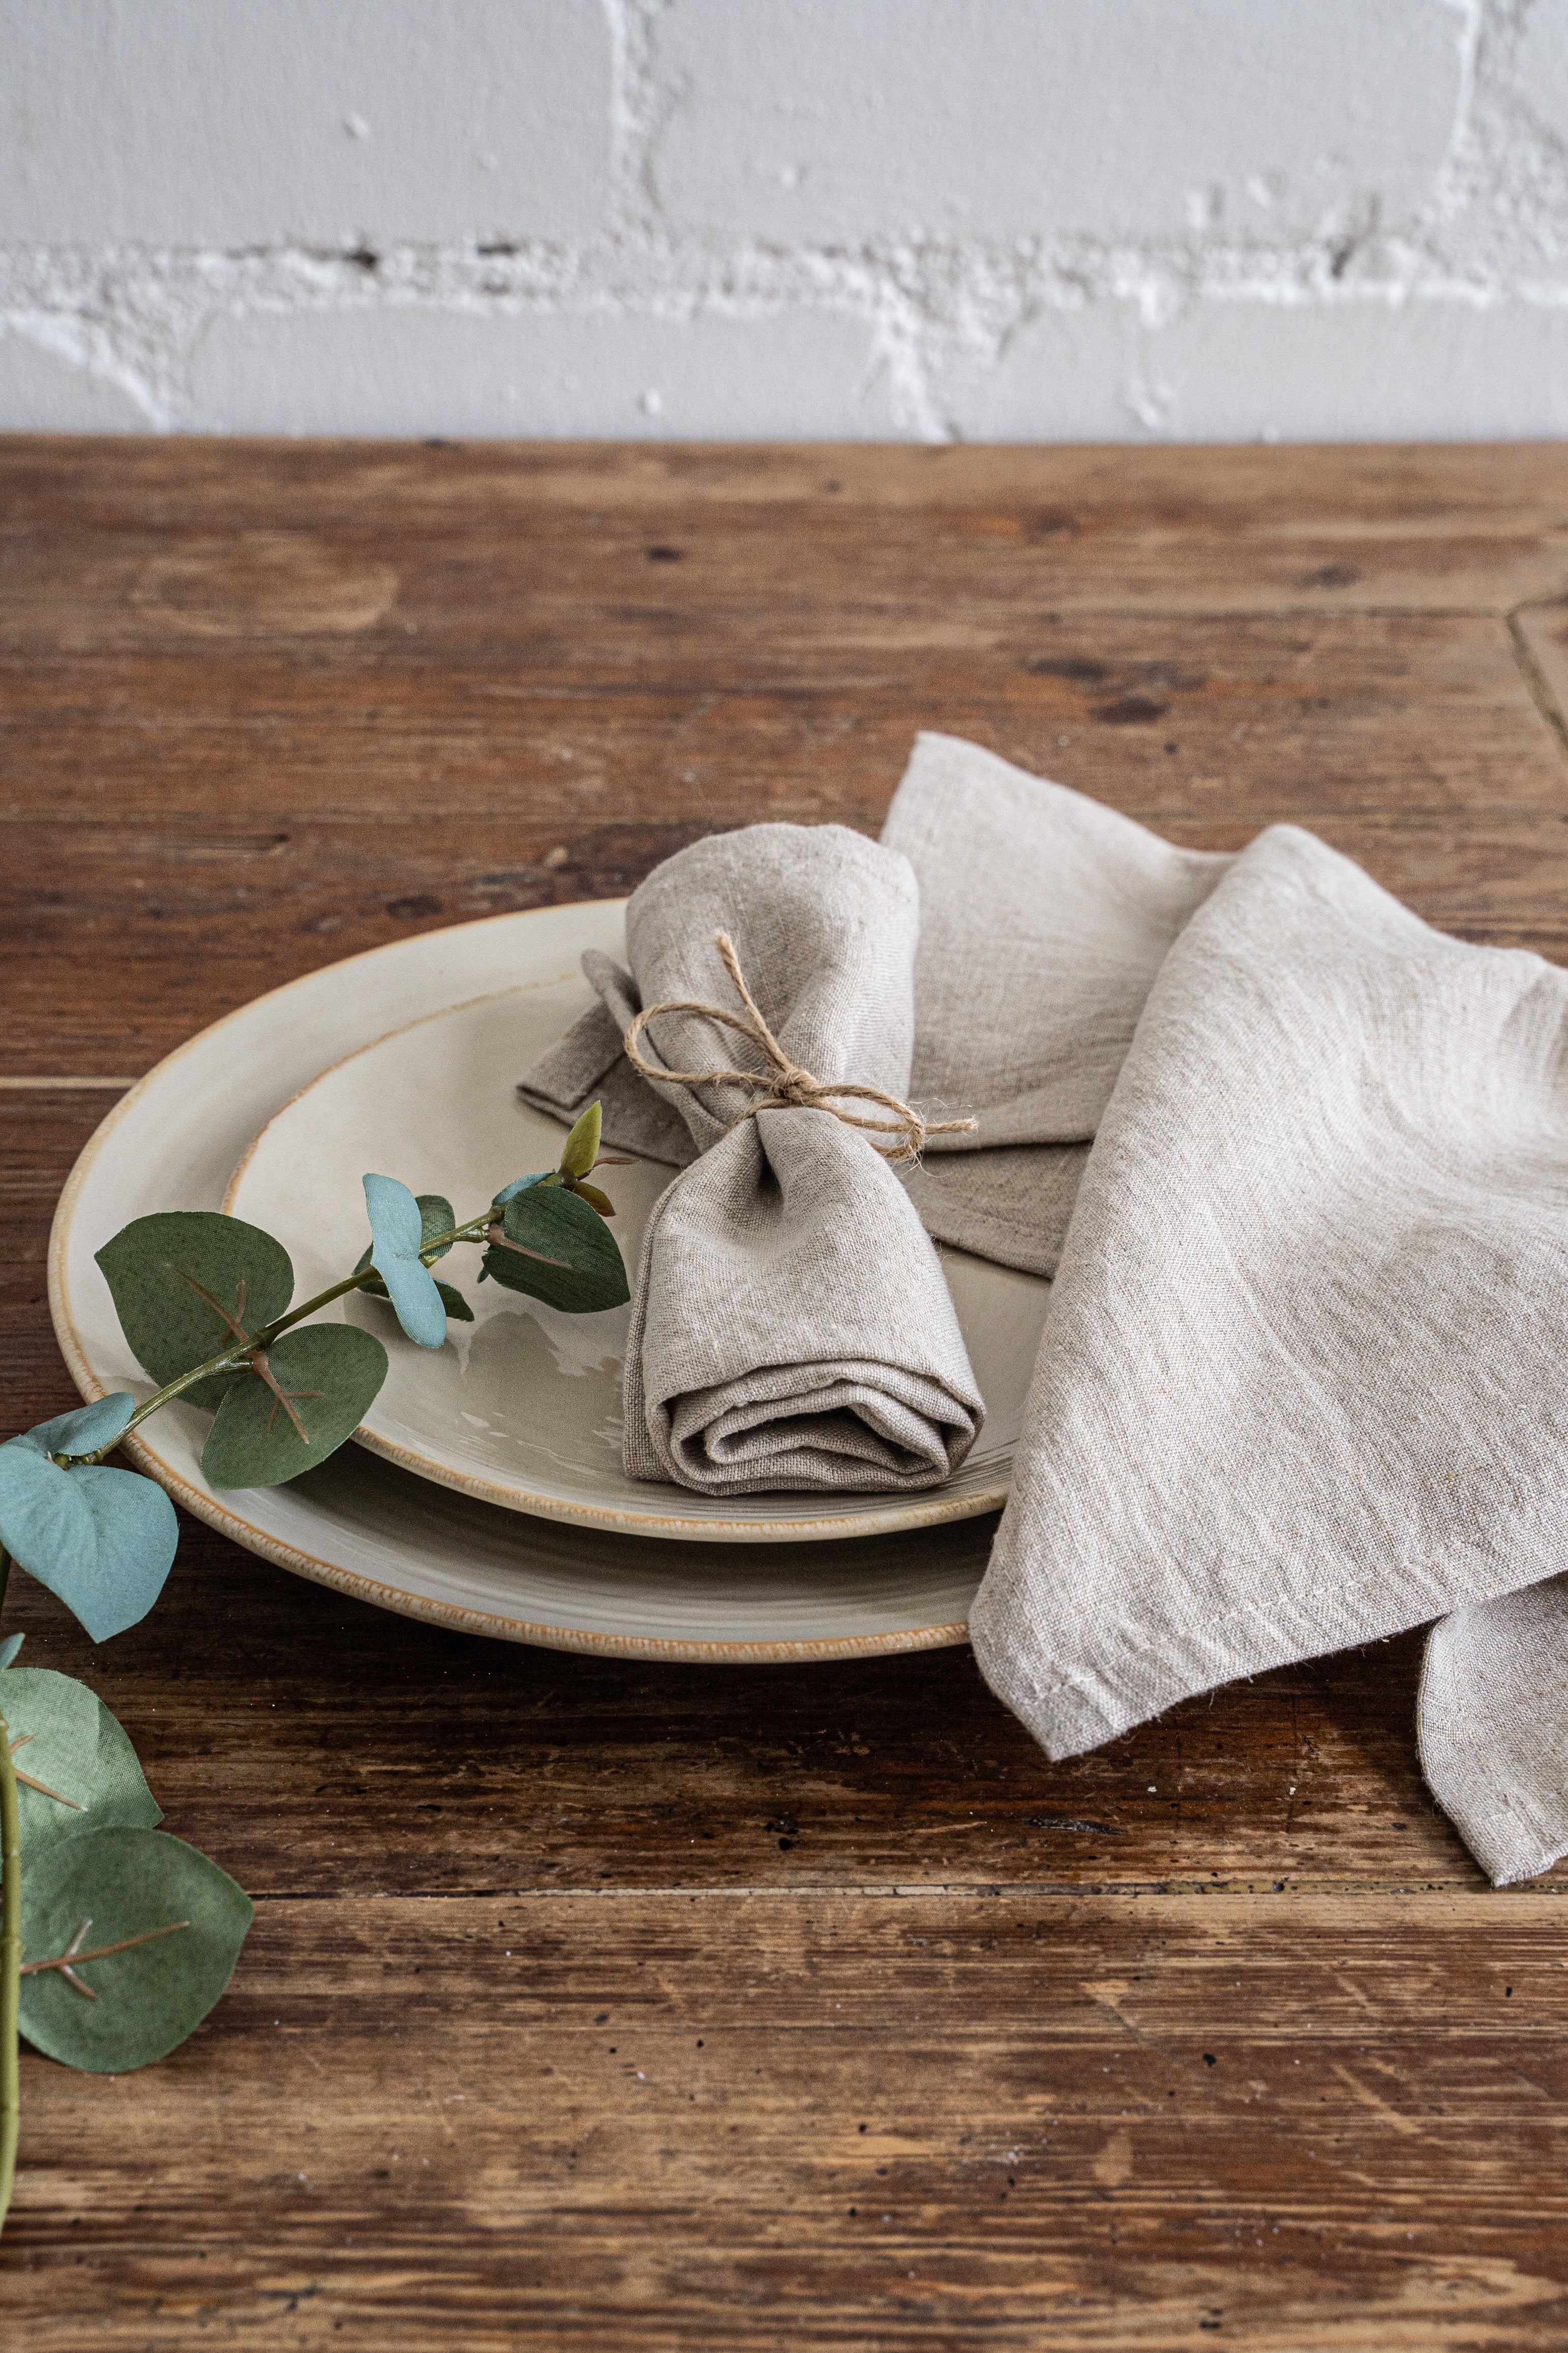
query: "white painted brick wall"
973, 218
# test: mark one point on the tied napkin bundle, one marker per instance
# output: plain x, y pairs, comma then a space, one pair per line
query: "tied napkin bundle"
1299, 1166
791, 1327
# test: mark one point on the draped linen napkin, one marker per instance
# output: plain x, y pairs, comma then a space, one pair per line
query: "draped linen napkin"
1300, 1167
791, 1325
1303, 1382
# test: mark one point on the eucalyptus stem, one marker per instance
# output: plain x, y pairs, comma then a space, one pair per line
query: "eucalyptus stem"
10, 1969
238, 1353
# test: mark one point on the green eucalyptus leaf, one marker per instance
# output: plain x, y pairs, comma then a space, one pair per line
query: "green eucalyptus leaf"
558, 1225
108, 1887
397, 1233
64, 1736
9, 1648
329, 1373
152, 1267
581, 1148
436, 1215
103, 1540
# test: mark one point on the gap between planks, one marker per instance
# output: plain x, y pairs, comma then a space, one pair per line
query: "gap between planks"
1530, 670
970, 1890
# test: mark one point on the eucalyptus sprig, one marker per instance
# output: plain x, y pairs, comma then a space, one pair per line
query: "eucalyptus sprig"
205, 1302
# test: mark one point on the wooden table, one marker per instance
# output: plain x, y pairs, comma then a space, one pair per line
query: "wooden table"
601, 2005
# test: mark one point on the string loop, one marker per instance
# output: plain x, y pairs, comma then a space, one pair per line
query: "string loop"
785, 1085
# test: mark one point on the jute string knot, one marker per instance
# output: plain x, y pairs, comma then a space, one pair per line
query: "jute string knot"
785, 1085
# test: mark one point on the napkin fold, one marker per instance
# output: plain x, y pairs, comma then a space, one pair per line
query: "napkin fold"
1299, 1166
791, 1325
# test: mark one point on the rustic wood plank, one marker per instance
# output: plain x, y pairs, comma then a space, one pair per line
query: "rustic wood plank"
249, 910
1245, 490
856, 591
40, 1135
1320, 715
285, 809
465, 1765
729, 2120
951, 582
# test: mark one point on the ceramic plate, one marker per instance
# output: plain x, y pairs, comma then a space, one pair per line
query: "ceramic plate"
522, 1407
372, 1530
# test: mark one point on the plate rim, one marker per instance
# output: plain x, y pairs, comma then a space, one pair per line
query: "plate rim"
539, 1634
893, 1518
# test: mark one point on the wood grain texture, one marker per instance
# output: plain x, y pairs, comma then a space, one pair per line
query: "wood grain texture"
254, 814
600, 2004
677, 2119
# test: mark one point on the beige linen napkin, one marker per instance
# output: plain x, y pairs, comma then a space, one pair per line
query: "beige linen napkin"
1492, 1722
1044, 920
791, 1325
1304, 1377
1299, 1166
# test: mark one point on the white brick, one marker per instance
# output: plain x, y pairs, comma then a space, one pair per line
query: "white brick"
42, 392
416, 371
1062, 378
965, 163
196, 123
849, 119
1540, 65
1223, 371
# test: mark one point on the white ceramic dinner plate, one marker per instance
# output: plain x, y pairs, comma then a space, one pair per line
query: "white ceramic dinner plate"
522, 1407
373, 1529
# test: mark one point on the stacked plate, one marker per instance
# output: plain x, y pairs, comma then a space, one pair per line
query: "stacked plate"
485, 1490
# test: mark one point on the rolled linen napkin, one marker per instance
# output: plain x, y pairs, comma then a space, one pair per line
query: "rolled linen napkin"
791, 1325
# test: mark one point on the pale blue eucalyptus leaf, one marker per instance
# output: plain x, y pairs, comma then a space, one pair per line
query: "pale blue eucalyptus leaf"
397, 1234
520, 1185
103, 1540
84, 1429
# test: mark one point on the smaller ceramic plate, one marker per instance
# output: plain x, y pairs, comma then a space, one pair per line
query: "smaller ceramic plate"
522, 1407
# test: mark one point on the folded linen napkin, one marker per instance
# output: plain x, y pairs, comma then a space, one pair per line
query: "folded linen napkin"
791, 1325
1304, 1379
1299, 1165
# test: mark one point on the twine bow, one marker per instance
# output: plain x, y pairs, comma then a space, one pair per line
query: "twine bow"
785, 1085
